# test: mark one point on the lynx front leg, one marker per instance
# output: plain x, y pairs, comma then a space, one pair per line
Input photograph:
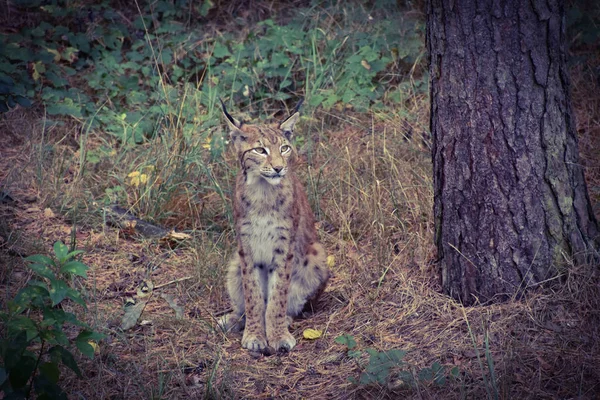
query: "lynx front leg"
278, 334
235, 320
254, 286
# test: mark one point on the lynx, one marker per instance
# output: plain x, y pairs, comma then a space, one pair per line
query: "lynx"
279, 266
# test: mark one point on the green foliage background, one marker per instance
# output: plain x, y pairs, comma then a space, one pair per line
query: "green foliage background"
136, 77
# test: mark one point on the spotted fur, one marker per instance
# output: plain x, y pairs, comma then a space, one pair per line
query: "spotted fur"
279, 265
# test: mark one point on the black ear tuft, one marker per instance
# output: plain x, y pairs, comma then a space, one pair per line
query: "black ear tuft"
227, 115
231, 122
297, 108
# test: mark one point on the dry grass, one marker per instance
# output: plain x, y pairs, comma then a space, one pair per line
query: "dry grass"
371, 189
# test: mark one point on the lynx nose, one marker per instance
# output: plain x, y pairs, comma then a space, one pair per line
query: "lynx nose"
277, 169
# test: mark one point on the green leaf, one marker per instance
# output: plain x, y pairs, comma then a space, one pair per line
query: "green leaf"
42, 270
455, 372
354, 353
46, 389
66, 357
14, 349
426, 374
83, 342
440, 380
23, 101
75, 267
395, 355
205, 7
221, 51
50, 371
347, 340
55, 336
21, 372
40, 259
76, 297
32, 295
74, 253
58, 291
66, 107
61, 250
406, 377
22, 324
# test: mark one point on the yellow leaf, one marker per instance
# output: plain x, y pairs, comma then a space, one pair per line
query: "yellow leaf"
56, 54
177, 235
37, 69
94, 346
330, 261
312, 334
365, 64
48, 213
70, 54
135, 178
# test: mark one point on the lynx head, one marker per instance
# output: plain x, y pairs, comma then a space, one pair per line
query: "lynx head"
265, 151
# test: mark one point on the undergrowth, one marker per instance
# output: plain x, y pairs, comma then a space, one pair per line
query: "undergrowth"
149, 78
37, 331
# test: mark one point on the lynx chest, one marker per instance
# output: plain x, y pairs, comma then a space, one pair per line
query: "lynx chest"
265, 222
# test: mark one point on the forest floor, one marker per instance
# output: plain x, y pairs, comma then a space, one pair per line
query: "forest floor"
369, 180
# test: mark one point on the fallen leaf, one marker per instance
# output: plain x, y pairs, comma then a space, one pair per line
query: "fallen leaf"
177, 235
132, 314
330, 261
312, 334
172, 301
173, 238
49, 213
145, 289
135, 306
365, 64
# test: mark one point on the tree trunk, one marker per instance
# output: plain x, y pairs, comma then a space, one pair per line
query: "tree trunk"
511, 203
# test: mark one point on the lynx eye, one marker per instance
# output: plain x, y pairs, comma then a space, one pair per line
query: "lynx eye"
260, 150
285, 148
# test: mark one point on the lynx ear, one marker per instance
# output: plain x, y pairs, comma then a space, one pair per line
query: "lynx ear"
233, 123
287, 126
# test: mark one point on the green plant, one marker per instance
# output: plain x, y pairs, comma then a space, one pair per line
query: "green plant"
490, 382
382, 365
39, 332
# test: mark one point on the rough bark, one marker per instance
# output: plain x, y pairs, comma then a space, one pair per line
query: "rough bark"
511, 202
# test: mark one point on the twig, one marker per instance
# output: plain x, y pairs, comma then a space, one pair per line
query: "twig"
133, 293
185, 278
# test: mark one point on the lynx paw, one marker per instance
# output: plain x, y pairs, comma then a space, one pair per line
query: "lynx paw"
231, 322
254, 342
283, 343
